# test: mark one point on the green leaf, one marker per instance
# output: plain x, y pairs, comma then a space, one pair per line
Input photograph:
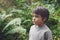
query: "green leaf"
17, 30
16, 21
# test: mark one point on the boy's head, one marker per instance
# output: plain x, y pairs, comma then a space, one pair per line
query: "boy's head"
40, 15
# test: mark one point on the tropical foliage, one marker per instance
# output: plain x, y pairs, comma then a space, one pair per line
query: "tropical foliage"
16, 19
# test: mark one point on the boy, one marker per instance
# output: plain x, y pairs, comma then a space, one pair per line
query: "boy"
40, 31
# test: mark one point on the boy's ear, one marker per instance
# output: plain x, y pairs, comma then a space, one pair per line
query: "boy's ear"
44, 19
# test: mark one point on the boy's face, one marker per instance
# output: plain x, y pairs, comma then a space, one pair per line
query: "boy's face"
37, 19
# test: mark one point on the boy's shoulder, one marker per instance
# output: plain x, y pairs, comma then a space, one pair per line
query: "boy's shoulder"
32, 26
47, 28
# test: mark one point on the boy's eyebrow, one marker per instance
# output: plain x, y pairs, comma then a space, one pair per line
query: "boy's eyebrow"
35, 15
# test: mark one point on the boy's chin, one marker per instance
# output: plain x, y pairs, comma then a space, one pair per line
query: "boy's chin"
35, 24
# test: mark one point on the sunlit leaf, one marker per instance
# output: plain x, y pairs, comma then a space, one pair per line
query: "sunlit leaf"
16, 21
17, 30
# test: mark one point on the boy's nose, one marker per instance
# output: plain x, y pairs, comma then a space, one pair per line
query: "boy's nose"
33, 18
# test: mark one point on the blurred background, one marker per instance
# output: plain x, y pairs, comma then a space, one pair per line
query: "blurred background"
16, 19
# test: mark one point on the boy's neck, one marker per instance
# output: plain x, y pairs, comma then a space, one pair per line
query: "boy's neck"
42, 25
